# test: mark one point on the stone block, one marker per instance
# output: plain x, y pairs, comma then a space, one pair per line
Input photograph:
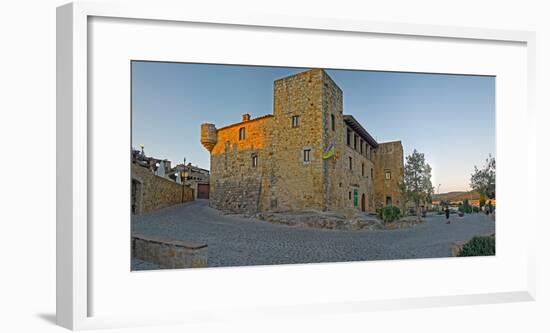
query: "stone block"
168, 253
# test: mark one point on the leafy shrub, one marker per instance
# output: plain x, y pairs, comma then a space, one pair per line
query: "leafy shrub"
479, 246
389, 213
476, 209
465, 207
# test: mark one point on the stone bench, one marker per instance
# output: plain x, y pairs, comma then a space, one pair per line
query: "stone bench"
169, 253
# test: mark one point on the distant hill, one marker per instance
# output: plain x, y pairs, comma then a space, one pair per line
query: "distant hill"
456, 196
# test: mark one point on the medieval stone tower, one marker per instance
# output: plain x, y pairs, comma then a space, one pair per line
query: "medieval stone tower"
306, 155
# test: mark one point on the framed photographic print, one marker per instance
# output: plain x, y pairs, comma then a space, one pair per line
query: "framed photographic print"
265, 166
265, 189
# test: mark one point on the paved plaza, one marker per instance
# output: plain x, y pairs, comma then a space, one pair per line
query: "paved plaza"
238, 241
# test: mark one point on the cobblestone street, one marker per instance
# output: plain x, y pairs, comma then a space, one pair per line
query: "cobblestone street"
237, 241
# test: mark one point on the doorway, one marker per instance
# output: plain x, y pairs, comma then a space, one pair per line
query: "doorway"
203, 191
363, 202
137, 196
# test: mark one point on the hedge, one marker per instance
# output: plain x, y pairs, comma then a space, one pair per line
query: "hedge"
479, 246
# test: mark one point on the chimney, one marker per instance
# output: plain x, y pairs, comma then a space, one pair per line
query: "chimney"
246, 117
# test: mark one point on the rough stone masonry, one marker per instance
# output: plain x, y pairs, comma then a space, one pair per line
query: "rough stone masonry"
306, 155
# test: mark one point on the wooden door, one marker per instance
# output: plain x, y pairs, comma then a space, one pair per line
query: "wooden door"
203, 191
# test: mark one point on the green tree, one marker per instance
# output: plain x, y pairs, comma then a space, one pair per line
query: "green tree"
417, 181
483, 180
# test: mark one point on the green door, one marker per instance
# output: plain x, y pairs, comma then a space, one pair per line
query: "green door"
355, 198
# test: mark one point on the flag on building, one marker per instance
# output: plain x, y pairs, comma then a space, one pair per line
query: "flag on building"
329, 152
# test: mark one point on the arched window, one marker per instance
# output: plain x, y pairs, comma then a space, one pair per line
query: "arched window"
242, 133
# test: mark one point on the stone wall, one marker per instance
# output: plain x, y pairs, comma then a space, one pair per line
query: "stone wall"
235, 183
153, 192
236, 195
332, 172
341, 180
388, 157
169, 253
292, 183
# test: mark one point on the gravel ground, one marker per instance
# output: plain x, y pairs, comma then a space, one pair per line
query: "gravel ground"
238, 241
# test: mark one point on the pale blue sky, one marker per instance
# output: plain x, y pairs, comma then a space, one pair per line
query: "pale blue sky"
450, 118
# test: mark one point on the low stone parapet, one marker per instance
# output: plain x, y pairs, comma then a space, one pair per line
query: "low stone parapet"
168, 253
403, 223
337, 220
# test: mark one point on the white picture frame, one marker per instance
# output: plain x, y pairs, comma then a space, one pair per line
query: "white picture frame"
74, 288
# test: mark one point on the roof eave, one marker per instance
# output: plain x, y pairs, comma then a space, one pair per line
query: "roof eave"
353, 123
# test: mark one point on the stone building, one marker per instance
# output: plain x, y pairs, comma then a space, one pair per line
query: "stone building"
159, 167
197, 178
306, 155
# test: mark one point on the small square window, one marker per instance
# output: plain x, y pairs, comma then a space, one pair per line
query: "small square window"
387, 174
307, 155
295, 121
